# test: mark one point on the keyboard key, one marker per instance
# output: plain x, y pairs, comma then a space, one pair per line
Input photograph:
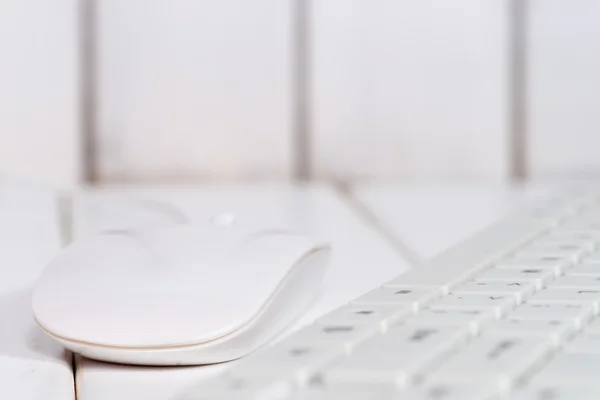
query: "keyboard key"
520, 289
498, 304
575, 314
538, 276
592, 269
553, 392
587, 343
567, 296
413, 297
580, 237
570, 368
558, 331
394, 358
494, 360
581, 226
447, 392
583, 233
587, 241
346, 394
576, 282
373, 314
556, 264
435, 392
589, 238
473, 319
290, 358
553, 253
342, 335
592, 258
593, 326
567, 241
240, 387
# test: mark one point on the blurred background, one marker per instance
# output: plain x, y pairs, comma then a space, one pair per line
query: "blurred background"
278, 90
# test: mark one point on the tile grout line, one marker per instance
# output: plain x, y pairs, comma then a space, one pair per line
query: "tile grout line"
87, 71
518, 148
364, 212
301, 91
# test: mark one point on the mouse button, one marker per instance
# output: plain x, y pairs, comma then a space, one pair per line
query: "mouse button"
84, 273
110, 291
148, 313
186, 246
94, 257
265, 258
205, 236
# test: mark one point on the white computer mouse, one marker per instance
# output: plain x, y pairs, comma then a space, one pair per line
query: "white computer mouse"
181, 295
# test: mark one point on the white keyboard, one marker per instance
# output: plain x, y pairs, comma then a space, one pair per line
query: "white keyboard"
508, 314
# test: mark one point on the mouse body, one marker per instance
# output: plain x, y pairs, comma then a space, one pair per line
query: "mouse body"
181, 295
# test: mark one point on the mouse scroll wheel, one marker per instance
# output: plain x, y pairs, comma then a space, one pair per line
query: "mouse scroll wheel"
224, 219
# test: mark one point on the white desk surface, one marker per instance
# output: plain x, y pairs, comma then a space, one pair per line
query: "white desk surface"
32, 367
426, 219
429, 219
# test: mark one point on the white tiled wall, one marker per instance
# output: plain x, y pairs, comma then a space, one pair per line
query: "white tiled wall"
39, 125
410, 89
397, 89
195, 88
564, 92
